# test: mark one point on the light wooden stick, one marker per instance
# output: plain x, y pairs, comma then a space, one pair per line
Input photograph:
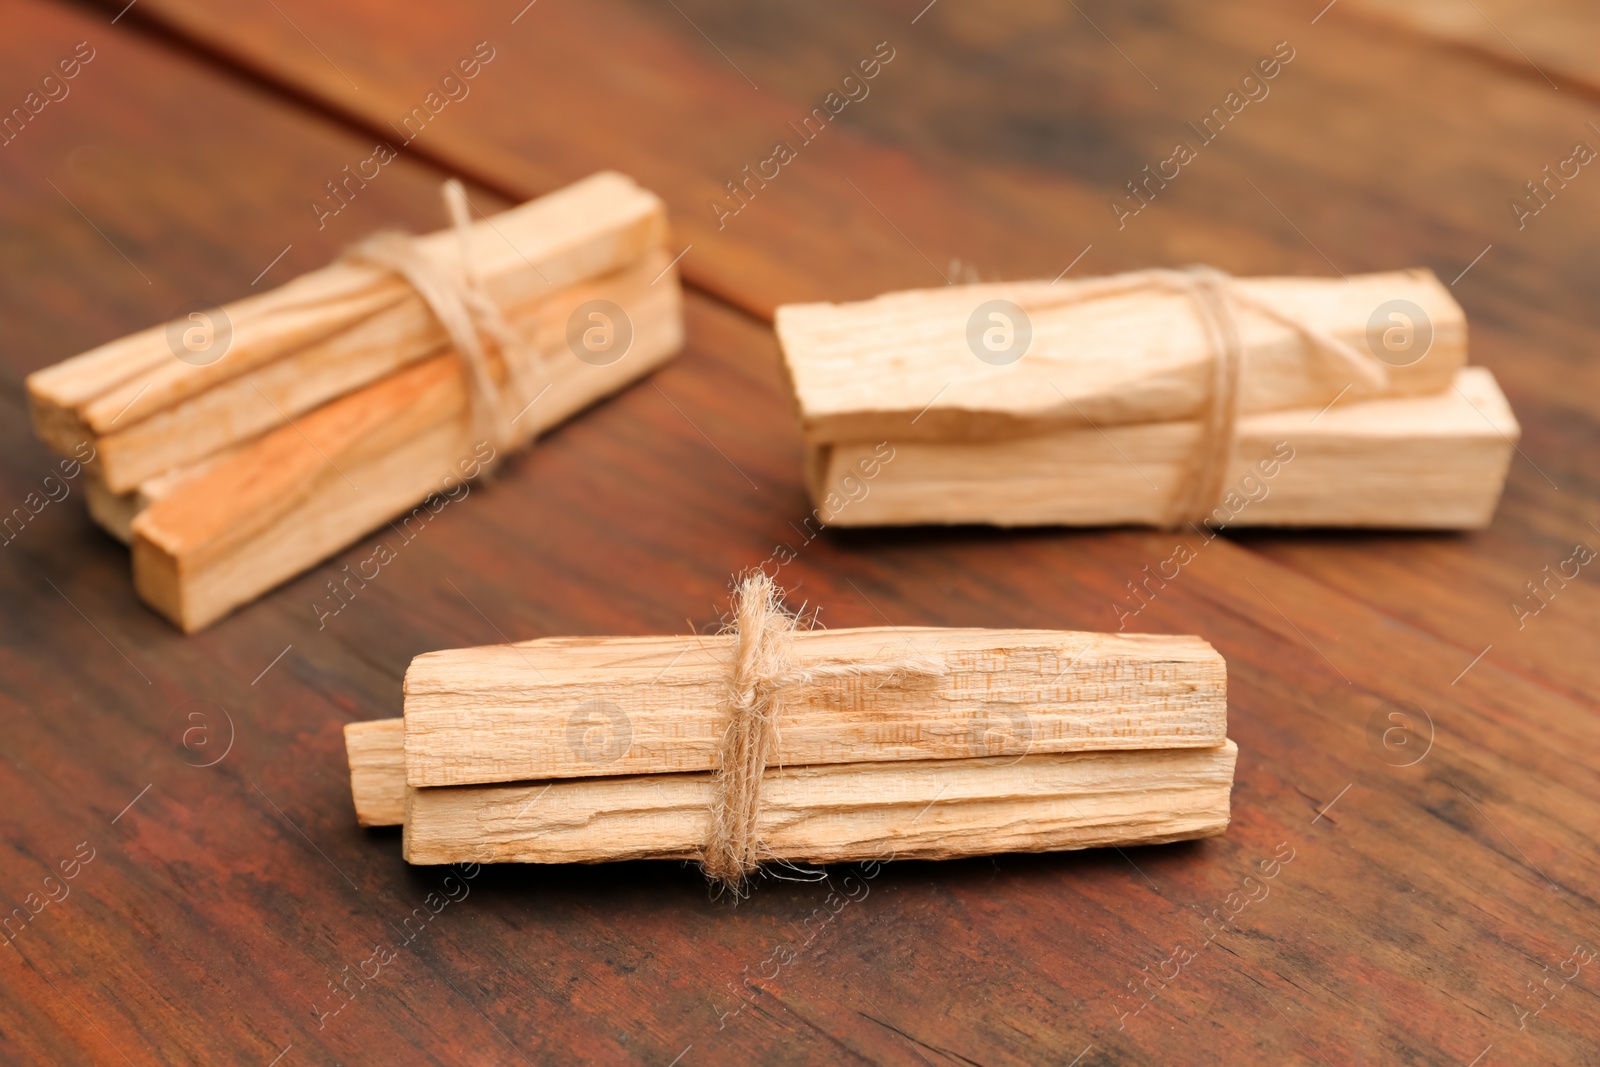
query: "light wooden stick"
933, 809
377, 758
903, 366
115, 512
324, 334
1430, 462
280, 504
586, 706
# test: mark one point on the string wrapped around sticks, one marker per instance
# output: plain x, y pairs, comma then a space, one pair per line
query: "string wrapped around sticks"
468, 314
762, 676
1217, 296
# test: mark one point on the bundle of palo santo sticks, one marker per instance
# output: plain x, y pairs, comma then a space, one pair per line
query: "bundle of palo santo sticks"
241, 445
1159, 397
770, 742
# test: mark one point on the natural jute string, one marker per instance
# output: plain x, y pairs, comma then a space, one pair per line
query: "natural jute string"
763, 674
467, 313
1217, 297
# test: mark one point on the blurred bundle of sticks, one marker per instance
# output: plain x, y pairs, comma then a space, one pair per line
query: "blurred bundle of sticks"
235, 447
1170, 398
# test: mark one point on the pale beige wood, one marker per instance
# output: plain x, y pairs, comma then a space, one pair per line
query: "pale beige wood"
933, 809
377, 771
586, 706
900, 366
324, 334
291, 498
1427, 462
112, 512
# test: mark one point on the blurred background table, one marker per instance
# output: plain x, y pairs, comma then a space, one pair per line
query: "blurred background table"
1439, 895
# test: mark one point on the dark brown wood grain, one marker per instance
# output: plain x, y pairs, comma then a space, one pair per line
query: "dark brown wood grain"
1416, 910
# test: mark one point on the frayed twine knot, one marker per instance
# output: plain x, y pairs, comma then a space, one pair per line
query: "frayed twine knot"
764, 673
1217, 296
470, 317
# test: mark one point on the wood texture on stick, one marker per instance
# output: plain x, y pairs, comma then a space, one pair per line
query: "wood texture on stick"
929, 809
114, 512
322, 335
586, 706
903, 365
295, 496
377, 770
1425, 462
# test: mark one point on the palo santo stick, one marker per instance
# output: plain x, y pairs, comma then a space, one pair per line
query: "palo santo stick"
377, 771
903, 366
115, 512
929, 809
1425, 462
325, 334
583, 706
284, 502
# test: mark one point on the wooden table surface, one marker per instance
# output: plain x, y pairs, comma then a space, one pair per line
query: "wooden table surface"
1432, 901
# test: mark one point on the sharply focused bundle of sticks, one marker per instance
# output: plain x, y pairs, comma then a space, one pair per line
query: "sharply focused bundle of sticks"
1159, 397
237, 447
934, 742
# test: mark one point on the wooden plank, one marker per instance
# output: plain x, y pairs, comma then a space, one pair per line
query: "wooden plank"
1425, 462
920, 809
579, 707
521, 141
